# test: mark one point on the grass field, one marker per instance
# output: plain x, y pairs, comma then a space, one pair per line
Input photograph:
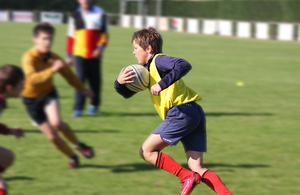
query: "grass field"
253, 131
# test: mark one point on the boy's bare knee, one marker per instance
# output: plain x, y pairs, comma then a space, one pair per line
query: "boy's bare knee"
57, 124
147, 155
3, 184
142, 153
198, 168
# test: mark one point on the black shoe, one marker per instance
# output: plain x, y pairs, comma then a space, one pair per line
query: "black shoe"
87, 151
74, 162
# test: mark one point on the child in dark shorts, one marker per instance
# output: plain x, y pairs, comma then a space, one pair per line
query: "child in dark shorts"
40, 96
183, 119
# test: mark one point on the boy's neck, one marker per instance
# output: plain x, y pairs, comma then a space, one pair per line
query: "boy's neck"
42, 52
85, 9
151, 55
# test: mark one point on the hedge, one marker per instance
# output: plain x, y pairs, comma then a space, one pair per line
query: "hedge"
248, 10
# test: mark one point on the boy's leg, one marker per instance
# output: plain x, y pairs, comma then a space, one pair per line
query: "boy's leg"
195, 162
3, 186
95, 81
6, 159
81, 74
55, 139
150, 151
53, 115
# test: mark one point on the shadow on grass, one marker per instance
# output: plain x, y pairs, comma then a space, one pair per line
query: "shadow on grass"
78, 131
136, 167
236, 114
109, 114
247, 166
18, 178
216, 114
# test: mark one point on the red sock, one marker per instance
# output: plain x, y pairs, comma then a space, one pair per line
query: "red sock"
166, 163
2, 192
214, 182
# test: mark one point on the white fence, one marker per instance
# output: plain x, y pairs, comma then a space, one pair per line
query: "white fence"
242, 29
30, 16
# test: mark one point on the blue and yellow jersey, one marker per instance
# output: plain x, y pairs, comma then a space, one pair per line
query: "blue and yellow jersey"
174, 95
86, 32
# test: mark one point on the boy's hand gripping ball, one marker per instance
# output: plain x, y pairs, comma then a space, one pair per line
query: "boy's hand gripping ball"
141, 79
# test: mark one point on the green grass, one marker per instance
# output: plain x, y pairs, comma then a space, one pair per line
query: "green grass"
253, 131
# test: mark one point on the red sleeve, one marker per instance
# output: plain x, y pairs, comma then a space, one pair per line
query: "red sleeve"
70, 37
4, 129
70, 43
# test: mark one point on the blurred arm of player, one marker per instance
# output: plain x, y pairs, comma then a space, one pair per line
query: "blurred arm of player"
17, 131
104, 36
66, 72
70, 41
125, 76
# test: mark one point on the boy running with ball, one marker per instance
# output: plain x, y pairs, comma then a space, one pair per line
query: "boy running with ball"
41, 98
11, 85
183, 119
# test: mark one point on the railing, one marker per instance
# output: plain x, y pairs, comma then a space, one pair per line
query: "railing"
241, 29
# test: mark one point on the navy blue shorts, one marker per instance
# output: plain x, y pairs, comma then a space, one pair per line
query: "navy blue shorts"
185, 123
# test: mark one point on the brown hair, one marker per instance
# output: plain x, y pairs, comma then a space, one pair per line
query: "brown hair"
43, 27
10, 75
148, 36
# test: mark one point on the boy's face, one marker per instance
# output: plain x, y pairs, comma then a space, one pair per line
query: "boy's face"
84, 3
142, 55
43, 41
15, 91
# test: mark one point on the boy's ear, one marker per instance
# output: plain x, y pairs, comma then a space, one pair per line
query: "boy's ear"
149, 49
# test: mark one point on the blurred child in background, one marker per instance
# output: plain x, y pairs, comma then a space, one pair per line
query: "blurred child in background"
40, 95
11, 85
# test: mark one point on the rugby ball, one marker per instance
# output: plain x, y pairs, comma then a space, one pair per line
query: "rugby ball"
141, 79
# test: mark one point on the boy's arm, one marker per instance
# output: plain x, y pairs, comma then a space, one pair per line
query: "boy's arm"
70, 37
71, 78
124, 77
123, 90
4, 129
32, 76
103, 33
18, 132
172, 69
